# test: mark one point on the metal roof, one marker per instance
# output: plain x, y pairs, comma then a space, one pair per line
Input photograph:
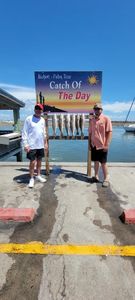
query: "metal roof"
8, 101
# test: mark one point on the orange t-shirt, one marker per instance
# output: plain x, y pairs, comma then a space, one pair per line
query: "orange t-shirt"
98, 129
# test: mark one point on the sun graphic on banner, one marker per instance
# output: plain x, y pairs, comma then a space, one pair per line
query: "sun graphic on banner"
92, 80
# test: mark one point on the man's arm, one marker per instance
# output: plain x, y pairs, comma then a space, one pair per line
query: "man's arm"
25, 137
89, 140
45, 137
108, 139
89, 134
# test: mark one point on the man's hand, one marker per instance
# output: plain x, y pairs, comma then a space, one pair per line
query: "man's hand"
27, 149
90, 146
105, 149
89, 141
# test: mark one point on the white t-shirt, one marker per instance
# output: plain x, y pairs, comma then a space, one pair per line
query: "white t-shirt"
34, 133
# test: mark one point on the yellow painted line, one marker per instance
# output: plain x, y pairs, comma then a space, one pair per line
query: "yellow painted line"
40, 248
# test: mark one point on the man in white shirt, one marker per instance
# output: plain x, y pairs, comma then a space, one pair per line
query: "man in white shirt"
34, 142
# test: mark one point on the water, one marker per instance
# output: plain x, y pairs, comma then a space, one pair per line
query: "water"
122, 148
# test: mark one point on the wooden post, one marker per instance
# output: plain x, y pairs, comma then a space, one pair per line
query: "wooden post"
16, 114
47, 151
19, 156
89, 155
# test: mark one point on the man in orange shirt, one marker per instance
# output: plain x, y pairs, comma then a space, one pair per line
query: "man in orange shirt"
100, 134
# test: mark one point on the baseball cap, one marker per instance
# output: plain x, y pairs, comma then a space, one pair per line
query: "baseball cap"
98, 105
39, 106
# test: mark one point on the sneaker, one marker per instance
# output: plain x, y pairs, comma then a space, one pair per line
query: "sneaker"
105, 183
40, 179
31, 183
94, 179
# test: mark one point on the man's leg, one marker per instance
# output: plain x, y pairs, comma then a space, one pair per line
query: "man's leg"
94, 158
38, 167
40, 154
39, 177
35, 168
31, 168
105, 171
96, 169
31, 156
31, 172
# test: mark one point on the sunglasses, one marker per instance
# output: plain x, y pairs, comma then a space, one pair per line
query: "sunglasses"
37, 108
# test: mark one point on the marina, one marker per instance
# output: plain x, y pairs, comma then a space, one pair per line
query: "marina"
67, 136
122, 147
67, 228
10, 140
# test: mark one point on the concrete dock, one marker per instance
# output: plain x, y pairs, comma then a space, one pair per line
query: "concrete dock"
70, 211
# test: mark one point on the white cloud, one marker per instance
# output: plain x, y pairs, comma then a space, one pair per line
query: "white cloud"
118, 107
118, 110
21, 92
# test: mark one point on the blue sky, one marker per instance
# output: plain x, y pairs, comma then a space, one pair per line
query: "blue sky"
59, 35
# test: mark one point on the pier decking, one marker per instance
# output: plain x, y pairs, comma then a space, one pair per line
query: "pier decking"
77, 224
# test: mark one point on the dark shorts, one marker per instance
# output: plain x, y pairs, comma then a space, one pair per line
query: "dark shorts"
35, 154
98, 155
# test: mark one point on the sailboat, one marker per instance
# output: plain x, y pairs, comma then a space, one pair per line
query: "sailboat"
131, 127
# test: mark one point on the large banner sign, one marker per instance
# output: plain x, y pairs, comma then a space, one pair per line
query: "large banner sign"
73, 92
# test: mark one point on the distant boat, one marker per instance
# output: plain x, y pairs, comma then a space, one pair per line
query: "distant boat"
131, 127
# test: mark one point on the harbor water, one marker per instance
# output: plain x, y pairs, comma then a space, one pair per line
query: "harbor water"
122, 148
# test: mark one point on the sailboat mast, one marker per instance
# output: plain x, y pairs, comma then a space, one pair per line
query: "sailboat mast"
130, 109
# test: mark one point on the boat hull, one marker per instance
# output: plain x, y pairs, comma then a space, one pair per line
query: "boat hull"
130, 128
